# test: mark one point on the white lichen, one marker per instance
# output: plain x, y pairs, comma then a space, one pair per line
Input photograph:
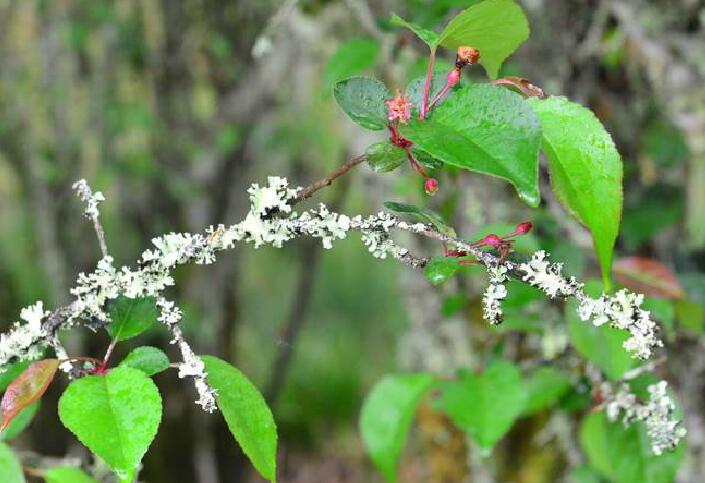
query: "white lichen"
192, 365
494, 294
663, 429
92, 199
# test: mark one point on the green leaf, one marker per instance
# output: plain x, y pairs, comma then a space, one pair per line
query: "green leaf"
428, 36
545, 387
10, 468
386, 416
362, 99
149, 360
623, 454
67, 474
130, 317
601, 345
422, 214
352, 57
20, 422
486, 405
384, 157
249, 418
486, 129
115, 415
586, 170
494, 27
440, 269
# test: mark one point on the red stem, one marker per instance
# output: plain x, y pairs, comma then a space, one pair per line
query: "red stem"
427, 85
438, 97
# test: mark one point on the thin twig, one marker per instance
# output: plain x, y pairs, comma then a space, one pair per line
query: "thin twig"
308, 191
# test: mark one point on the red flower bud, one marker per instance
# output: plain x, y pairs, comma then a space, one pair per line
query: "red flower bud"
453, 77
431, 186
491, 240
523, 228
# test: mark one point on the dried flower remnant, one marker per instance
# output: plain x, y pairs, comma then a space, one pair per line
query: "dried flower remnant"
466, 55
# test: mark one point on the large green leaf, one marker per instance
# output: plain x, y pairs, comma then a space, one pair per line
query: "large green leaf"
67, 474
352, 57
494, 27
623, 455
487, 129
545, 387
10, 468
586, 170
249, 418
149, 360
130, 317
486, 405
603, 345
115, 415
386, 416
362, 99
428, 36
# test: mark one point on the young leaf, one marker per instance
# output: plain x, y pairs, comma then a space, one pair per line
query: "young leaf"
586, 170
130, 317
648, 276
249, 418
19, 422
424, 215
545, 386
149, 360
115, 415
384, 157
494, 27
440, 269
487, 129
11, 373
362, 99
353, 57
624, 454
10, 468
486, 405
428, 36
386, 416
27, 388
67, 474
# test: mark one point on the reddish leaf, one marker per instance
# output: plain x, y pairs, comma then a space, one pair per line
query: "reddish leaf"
27, 388
648, 276
524, 86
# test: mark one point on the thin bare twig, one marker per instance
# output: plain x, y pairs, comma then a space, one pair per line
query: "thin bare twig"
308, 191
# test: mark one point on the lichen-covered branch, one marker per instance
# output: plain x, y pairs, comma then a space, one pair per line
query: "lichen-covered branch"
272, 221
